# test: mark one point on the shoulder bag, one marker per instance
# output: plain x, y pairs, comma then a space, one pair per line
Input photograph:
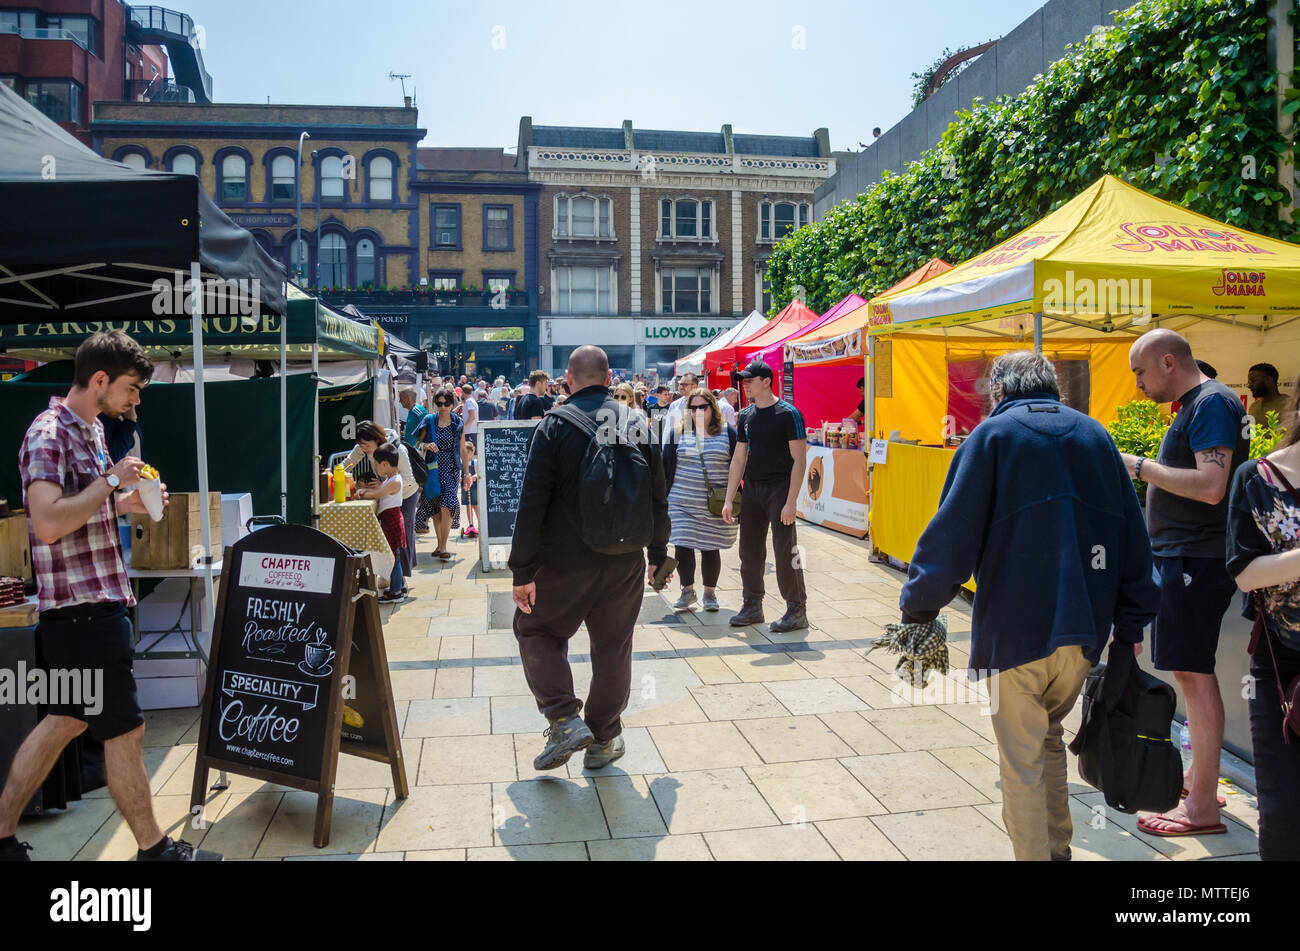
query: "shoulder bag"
1288, 696
717, 494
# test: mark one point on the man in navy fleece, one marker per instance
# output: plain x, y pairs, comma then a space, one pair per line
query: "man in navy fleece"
1039, 507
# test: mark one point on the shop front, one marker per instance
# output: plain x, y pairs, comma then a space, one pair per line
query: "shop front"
634, 344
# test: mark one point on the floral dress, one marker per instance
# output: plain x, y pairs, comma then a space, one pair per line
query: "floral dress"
1264, 519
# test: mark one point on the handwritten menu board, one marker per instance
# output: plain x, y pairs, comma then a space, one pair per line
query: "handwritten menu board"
503, 456
298, 669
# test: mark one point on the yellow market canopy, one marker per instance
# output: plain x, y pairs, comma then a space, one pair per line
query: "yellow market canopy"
1110, 259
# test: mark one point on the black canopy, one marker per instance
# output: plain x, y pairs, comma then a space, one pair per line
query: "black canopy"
83, 238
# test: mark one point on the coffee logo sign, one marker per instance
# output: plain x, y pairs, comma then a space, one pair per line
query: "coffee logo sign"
287, 572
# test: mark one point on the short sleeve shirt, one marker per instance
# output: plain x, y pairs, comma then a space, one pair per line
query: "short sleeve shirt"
1263, 519
470, 407
768, 434
84, 566
1211, 416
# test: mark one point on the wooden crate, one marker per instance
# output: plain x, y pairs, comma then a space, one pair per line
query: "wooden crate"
15, 547
167, 543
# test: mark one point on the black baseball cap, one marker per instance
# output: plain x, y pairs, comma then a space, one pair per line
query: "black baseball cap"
756, 368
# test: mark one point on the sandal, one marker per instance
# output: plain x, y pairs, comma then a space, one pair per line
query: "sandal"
1218, 799
444, 555
1180, 827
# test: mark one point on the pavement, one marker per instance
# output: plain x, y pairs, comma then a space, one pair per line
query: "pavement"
741, 744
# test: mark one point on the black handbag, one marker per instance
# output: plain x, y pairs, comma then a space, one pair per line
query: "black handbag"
1123, 745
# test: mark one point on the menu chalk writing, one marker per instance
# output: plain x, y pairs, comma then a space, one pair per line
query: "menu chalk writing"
502, 462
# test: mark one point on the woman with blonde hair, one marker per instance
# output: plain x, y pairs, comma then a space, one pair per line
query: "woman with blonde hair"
699, 459
624, 393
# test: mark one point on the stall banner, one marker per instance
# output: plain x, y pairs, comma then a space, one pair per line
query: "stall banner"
834, 490
832, 348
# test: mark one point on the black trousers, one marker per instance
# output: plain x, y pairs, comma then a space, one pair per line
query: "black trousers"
1277, 763
761, 504
710, 563
608, 599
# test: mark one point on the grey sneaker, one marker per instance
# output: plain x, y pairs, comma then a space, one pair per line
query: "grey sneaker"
710, 601
565, 736
751, 612
178, 850
686, 600
600, 755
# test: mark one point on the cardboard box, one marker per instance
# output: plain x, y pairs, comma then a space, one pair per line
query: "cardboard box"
15, 547
146, 665
171, 542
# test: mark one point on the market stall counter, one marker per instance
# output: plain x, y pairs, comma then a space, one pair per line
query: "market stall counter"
834, 491
355, 524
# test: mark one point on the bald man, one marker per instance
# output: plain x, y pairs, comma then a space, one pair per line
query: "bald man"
1187, 519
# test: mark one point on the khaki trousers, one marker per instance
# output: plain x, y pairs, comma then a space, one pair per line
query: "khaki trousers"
1032, 700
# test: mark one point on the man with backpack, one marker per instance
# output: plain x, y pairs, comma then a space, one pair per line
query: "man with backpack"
593, 503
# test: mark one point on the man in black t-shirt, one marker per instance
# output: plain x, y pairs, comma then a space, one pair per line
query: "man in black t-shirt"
771, 453
533, 406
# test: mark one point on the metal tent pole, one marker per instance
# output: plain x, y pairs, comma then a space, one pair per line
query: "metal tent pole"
284, 418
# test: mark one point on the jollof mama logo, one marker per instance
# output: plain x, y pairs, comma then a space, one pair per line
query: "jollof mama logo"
1239, 284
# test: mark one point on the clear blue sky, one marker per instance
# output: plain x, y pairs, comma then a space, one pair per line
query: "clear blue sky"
668, 64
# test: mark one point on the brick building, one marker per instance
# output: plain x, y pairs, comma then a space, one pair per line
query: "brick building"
651, 242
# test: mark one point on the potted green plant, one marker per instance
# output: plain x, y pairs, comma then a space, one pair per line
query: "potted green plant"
1137, 429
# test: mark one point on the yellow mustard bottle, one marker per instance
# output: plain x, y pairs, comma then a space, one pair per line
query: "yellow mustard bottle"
340, 484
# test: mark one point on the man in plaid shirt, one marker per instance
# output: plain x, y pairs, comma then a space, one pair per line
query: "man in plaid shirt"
72, 498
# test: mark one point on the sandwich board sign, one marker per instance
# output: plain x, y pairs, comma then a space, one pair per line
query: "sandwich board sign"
502, 457
298, 672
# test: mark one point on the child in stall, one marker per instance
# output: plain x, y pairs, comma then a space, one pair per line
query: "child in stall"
388, 494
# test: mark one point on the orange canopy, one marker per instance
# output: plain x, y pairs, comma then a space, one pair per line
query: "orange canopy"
793, 318
856, 319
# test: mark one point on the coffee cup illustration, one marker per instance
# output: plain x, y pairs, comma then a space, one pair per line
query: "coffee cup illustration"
815, 479
317, 656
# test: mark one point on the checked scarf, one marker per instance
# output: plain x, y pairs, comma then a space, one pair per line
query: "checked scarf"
924, 647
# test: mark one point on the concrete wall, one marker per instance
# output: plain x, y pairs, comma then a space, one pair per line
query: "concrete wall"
1006, 69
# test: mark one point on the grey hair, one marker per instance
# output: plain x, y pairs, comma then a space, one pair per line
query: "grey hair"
1022, 371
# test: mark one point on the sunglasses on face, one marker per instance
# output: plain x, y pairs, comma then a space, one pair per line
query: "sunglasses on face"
621, 398
700, 406
441, 403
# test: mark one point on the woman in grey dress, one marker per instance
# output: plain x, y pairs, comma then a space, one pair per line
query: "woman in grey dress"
699, 458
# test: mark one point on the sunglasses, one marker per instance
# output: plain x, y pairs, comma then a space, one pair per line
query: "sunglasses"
441, 403
621, 398
700, 406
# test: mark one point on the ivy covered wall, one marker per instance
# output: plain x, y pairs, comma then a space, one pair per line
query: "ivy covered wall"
1176, 98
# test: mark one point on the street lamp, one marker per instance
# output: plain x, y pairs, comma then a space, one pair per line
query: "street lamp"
297, 190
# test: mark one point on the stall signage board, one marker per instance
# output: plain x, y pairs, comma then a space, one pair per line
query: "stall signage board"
787, 375
502, 458
879, 452
298, 670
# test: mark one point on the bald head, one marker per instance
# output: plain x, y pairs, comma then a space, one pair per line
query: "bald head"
1163, 366
588, 366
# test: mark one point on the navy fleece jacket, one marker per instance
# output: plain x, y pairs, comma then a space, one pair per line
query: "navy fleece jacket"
1038, 506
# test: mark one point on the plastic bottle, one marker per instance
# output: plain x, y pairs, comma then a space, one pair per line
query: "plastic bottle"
1185, 736
340, 484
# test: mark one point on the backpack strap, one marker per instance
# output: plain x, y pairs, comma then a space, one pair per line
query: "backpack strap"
576, 417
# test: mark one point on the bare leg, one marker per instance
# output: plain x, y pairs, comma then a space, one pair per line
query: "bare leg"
129, 783
32, 763
1205, 713
443, 528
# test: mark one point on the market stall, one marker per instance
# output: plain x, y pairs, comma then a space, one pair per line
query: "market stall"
1080, 286
733, 357
694, 362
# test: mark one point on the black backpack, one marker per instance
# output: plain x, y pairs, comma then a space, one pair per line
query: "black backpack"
614, 505
419, 468
1123, 744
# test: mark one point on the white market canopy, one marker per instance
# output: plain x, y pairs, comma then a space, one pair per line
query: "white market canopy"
694, 362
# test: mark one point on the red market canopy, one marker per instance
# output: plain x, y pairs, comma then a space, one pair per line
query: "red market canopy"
793, 318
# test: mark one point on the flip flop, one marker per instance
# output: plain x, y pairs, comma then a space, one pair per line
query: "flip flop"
1180, 827
1219, 799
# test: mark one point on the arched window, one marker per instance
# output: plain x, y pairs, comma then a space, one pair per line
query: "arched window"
282, 178
298, 261
234, 178
331, 175
365, 262
333, 261
134, 160
381, 178
183, 164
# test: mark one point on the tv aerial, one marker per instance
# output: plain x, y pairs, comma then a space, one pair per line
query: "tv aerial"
403, 77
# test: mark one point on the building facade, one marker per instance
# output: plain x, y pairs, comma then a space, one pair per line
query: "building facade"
360, 225
64, 55
652, 242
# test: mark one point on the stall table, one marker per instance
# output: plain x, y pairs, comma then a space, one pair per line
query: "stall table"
834, 490
194, 576
355, 524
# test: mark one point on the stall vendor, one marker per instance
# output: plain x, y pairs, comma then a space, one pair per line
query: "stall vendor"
861, 411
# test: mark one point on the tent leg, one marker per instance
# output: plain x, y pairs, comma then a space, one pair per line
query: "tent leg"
1038, 332
201, 444
315, 436
284, 419
870, 374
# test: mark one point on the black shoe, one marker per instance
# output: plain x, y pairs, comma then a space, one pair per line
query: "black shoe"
751, 612
16, 852
178, 850
794, 619
391, 597
565, 737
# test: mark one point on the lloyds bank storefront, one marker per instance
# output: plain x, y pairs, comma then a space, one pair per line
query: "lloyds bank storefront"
634, 344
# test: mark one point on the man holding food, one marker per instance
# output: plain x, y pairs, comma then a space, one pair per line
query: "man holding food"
74, 493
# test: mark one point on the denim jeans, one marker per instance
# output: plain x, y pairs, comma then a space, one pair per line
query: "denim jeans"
396, 582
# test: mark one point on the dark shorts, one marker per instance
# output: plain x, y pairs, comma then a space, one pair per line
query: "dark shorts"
1195, 593
94, 638
470, 497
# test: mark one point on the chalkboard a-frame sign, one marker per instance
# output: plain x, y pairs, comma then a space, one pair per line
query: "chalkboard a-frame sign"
298, 672
502, 458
